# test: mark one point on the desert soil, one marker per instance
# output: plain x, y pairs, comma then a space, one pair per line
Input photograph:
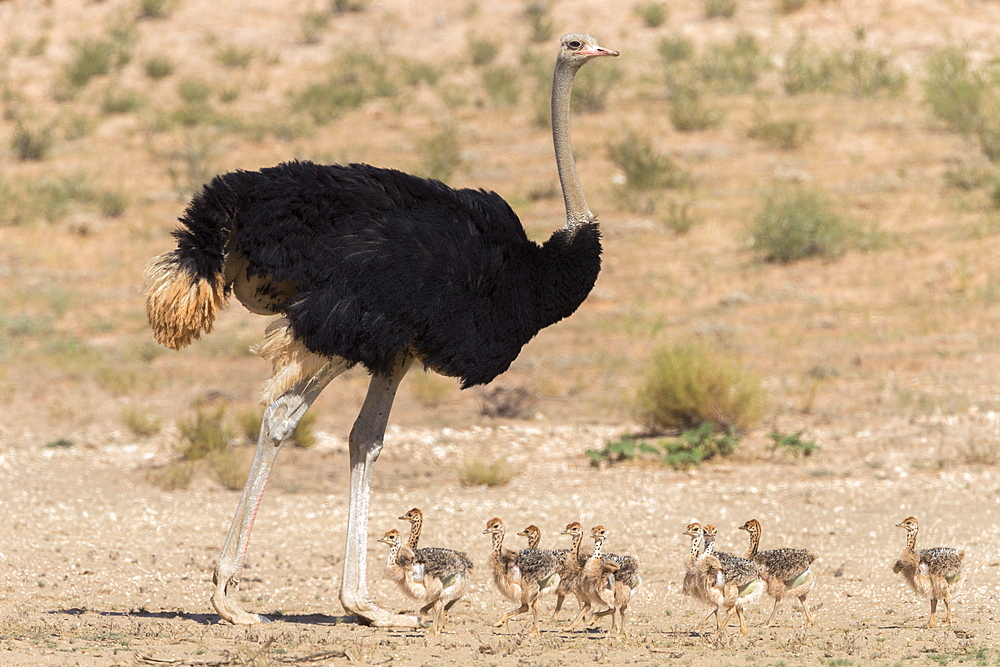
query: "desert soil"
100, 567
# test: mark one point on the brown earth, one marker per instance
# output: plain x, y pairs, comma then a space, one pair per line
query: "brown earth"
887, 358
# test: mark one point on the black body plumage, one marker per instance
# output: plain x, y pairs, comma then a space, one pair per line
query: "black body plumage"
367, 263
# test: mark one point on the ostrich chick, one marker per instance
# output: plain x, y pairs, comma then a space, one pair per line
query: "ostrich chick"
521, 576
438, 580
788, 572
931, 573
741, 585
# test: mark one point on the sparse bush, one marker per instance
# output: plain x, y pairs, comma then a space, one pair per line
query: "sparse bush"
359, 79
441, 153
194, 91
513, 403
689, 113
475, 471
415, 71
141, 424
966, 177
483, 52
90, 58
348, 6
797, 224
118, 100
688, 384
789, 6
590, 92
314, 24
539, 20
158, 67
732, 67
502, 84
871, 74
155, 9
679, 218
806, 69
675, 49
31, 144
205, 432
653, 14
954, 91
235, 57
719, 9
644, 167
786, 134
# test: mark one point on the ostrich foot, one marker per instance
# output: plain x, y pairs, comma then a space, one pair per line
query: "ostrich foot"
231, 611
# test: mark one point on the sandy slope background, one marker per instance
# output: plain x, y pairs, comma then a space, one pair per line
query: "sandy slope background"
887, 358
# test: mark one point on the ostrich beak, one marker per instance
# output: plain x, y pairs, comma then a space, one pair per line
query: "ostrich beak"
598, 51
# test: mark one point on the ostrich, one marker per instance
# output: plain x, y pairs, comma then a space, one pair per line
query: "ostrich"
374, 267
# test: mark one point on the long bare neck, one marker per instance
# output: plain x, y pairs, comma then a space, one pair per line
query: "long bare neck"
598, 543
696, 542
393, 553
497, 544
754, 544
576, 205
415, 524
911, 539
709, 544
533, 540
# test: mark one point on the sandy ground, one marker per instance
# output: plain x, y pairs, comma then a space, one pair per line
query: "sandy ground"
100, 567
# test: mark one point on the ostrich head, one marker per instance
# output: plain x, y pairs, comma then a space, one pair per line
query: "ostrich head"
391, 538
752, 526
531, 532
573, 529
909, 523
494, 526
692, 530
413, 516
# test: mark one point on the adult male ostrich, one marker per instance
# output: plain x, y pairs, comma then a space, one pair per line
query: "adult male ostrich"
374, 267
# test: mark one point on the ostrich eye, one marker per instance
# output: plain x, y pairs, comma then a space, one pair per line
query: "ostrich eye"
575, 44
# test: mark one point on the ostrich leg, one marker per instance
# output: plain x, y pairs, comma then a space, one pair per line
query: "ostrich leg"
279, 421
365, 445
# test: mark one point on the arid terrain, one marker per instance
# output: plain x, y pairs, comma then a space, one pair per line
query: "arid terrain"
884, 353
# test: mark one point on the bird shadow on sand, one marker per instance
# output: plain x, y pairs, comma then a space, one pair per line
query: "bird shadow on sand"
211, 619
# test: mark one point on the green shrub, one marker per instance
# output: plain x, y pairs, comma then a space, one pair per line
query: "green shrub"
358, 79
786, 134
623, 450
235, 57
679, 218
539, 20
688, 385
348, 6
591, 91
644, 167
141, 424
797, 224
154, 9
694, 446
871, 74
90, 58
675, 49
502, 84
118, 100
789, 6
314, 24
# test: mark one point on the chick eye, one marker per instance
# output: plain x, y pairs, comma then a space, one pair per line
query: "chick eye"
574, 44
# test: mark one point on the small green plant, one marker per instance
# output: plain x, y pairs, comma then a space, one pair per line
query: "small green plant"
697, 445
793, 444
90, 58
719, 9
689, 384
797, 224
194, 91
789, 6
871, 74
653, 14
622, 450
732, 67
359, 79
591, 91
61, 443
678, 217
644, 167
158, 67
475, 471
